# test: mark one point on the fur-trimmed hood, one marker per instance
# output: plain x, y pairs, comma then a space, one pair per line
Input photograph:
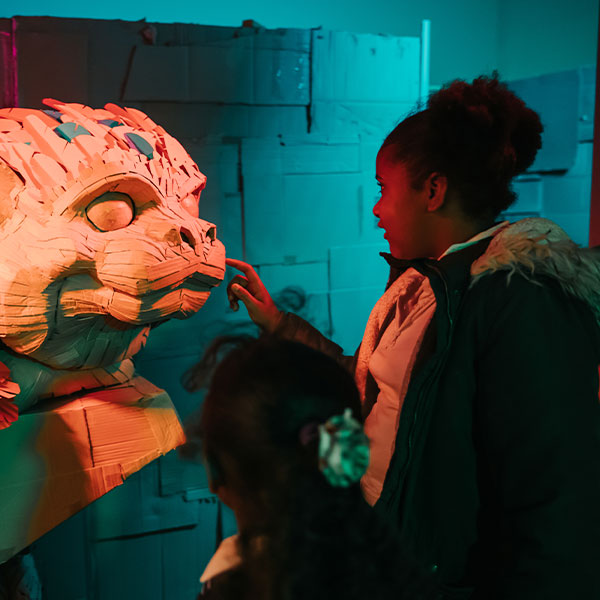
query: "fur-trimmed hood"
538, 247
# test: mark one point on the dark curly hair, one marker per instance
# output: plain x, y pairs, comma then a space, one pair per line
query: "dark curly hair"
317, 541
480, 135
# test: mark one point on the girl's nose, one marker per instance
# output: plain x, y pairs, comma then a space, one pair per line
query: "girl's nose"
376, 209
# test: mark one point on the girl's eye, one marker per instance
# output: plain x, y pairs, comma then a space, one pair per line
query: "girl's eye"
111, 211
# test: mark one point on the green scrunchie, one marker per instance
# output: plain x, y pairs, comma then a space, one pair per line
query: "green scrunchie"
343, 450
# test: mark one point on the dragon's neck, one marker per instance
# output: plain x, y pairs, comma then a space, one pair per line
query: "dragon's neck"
39, 382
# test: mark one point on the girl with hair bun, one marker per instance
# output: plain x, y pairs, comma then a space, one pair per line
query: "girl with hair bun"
478, 368
280, 434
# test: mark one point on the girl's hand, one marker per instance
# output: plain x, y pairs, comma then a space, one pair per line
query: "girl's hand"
251, 291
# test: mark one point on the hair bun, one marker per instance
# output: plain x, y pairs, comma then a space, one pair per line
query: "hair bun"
480, 135
486, 125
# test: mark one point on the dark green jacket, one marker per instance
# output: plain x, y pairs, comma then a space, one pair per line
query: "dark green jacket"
495, 480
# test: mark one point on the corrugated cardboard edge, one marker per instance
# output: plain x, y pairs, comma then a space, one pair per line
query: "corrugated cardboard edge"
57, 461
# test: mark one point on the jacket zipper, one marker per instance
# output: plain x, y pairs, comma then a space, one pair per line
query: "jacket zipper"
427, 385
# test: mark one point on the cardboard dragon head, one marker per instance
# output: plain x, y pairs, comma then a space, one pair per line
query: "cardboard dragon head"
99, 240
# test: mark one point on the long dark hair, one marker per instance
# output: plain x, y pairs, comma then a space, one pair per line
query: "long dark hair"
316, 540
480, 135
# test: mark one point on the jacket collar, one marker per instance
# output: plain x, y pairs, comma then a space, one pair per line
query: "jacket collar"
454, 268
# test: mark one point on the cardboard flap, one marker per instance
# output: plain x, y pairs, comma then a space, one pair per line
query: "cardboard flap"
57, 461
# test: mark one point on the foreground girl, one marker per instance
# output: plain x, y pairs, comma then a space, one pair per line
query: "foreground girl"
284, 449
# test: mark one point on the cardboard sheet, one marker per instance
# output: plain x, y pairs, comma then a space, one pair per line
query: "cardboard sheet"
555, 97
67, 56
65, 456
236, 73
352, 67
587, 101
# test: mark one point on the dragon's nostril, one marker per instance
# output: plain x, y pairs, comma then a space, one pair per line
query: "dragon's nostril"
187, 237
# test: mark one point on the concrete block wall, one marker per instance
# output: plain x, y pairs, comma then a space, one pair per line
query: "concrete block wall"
286, 125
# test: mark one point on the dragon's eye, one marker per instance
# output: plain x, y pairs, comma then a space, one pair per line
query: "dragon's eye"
111, 211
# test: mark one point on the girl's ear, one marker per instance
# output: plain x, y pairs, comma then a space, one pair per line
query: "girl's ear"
436, 186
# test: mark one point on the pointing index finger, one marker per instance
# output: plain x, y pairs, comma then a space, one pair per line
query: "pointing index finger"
240, 265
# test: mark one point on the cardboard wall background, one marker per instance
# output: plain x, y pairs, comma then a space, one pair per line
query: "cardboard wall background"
521, 39
475, 20
559, 183
286, 125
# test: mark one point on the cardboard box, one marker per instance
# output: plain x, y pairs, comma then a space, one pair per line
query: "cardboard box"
317, 311
231, 72
314, 154
176, 558
302, 289
138, 508
587, 102
303, 217
242, 70
350, 310
358, 278
311, 277
123, 61
374, 119
167, 364
7, 68
556, 99
66, 456
65, 75
165, 565
65, 549
301, 196
567, 194
178, 476
158, 73
185, 554
198, 120
529, 190
583, 160
354, 267
352, 67
362, 83
143, 555
107, 53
